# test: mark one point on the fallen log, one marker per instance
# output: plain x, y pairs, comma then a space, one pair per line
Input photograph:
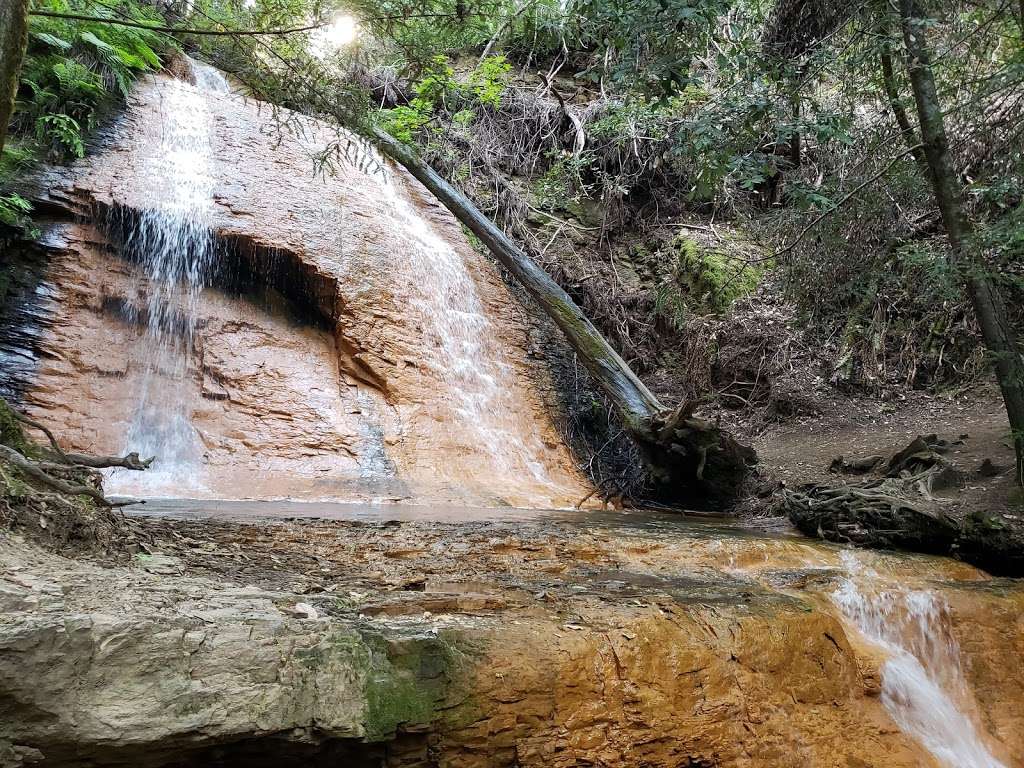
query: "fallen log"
689, 459
898, 511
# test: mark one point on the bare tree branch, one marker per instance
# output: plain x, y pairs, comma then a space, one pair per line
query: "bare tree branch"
15, 459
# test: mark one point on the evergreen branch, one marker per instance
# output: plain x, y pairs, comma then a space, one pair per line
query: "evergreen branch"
176, 30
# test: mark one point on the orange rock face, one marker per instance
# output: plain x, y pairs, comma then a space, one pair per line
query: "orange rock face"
351, 345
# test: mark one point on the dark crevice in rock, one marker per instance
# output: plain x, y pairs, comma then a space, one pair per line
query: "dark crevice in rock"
270, 276
24, 316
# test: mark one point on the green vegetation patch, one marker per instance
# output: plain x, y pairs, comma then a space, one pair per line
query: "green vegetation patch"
73, 71
407, 679
438, 89
704, 280
411, 679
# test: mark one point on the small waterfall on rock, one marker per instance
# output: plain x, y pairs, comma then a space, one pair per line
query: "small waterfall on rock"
460, 341
173, 246
922, 684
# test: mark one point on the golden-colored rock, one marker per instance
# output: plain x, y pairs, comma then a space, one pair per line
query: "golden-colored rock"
345, 369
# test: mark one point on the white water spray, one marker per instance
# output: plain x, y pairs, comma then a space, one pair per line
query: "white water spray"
923, 687
173, 245
460, 342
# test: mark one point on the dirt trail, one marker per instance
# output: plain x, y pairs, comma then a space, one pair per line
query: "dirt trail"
800, 451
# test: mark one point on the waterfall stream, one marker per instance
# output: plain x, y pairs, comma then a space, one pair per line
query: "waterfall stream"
460, 343
173, 246
923, 687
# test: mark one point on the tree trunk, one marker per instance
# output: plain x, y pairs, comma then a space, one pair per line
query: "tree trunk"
690, 459
13, 39
795, 151
1000, 338
893, 94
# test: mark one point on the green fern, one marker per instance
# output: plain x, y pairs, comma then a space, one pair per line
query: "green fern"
62, 131
52, 41
14, 211
73, 68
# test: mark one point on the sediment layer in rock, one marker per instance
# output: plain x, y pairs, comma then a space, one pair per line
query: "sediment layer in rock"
316, 371
483, 644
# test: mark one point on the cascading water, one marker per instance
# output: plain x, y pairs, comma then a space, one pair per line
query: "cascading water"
460, 341
173, 246
922, 684
171, 243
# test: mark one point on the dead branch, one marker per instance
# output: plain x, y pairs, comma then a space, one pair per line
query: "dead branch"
34, 471
131, 461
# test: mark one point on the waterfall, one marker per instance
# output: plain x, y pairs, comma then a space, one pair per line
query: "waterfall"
172, 244
923, 687
460, 342
467, 395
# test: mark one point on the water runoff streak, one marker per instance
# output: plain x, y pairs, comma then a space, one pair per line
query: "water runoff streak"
923, 687
173, 245
461, 344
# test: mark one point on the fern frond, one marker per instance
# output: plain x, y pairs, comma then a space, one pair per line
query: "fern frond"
53, 41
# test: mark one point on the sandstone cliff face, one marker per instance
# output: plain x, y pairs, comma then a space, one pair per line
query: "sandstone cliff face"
323, 363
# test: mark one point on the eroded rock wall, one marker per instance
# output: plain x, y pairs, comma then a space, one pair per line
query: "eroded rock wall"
528, 644
120, 667
355, 395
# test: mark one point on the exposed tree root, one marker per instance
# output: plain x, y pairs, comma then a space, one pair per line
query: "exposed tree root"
880, 513
899, 510
54, 495
36, 472
694, 458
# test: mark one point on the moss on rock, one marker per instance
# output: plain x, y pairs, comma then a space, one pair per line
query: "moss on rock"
711, 278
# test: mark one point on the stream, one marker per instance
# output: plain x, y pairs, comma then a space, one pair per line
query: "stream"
430, 397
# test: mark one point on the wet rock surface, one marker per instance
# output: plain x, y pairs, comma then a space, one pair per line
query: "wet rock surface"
605, 641
322, 364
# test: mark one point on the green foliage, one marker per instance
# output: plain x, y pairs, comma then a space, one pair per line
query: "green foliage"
17, 158
438, 90
61, 131
11, 433
404, 122
437, 83
565, 185
14, 211
646, 46
72, 70
489, 79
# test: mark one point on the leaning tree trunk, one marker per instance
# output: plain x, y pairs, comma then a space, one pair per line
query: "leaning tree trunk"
689, 458
996, 329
